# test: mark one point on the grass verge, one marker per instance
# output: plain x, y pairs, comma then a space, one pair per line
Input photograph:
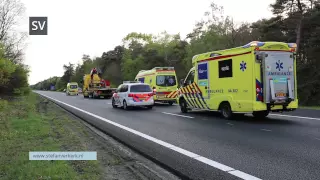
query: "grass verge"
27, 124
310, 107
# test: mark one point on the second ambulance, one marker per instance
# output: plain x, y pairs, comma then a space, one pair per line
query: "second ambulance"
162, 80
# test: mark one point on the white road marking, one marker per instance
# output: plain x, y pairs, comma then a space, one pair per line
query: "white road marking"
318, 139
109, 103
192, 155
265, 130
177, 115
302, 117
230, 124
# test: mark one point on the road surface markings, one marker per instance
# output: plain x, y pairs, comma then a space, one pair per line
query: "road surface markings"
192, 155
265, 130
109, 103
230, 124
302, 117
177, 115
318, 139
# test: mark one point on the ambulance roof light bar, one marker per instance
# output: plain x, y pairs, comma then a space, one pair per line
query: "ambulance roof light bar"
292, 45
254, 44
163, 68
194, 59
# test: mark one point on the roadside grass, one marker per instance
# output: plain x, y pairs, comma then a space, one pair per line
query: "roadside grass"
310, 107
27, 124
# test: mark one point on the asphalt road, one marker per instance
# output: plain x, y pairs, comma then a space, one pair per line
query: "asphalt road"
285, 146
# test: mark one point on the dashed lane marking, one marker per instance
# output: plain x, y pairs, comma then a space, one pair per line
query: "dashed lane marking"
177, 115
265, 130
302, 117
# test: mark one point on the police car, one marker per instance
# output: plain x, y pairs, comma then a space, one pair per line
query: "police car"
133, 94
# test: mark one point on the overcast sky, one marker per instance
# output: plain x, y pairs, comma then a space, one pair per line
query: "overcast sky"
77, 27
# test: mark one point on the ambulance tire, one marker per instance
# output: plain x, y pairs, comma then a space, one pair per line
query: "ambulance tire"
183, 106
260, 114
225, 110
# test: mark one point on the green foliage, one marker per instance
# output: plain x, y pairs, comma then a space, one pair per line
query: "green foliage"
13, 77
294, 21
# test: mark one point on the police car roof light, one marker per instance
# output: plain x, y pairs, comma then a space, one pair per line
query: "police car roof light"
126, 82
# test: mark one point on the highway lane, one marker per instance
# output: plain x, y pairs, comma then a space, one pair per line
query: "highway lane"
276, 148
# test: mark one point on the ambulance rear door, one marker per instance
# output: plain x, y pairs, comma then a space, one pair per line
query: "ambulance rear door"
278, 76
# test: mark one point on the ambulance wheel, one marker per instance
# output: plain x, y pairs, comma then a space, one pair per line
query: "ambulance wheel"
226, 111
183, 106
260, 114
170, 103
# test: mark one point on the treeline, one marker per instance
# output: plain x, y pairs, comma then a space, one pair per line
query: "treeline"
294, 21
13, 73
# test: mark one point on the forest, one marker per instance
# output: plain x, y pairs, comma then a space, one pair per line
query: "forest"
293, 21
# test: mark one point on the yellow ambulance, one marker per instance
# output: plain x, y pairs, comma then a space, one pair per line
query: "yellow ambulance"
162, 80
257, 78
72, 88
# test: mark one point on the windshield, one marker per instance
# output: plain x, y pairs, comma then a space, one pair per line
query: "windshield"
73, 86
166, 80
140, 88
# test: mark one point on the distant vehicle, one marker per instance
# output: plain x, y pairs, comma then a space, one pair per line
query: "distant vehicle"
79, 90
95, 86
163, 81
72, 88
256, 78
64, 90
133, 94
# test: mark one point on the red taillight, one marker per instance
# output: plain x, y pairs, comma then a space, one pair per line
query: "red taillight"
107, 82
151, 94
130, 95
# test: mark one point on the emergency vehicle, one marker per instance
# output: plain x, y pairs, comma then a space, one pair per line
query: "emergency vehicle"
257, 78
72, 88
133, 94
163, 81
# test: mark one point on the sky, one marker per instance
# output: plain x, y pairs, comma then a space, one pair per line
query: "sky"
77, 27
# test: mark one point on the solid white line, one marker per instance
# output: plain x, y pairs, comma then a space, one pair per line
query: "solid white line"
265, 130
302, 117
243, 175
230, 124
177, 115
192, 155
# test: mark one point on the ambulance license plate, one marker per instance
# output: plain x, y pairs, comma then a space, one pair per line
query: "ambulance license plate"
280, 94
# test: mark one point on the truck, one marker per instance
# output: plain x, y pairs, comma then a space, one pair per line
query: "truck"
94, 86
257, 78
162, 80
